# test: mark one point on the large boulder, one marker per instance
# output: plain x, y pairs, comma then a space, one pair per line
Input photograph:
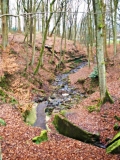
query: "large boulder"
68, 129
114, 145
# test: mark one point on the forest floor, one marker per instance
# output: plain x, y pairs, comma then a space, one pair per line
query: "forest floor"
19, 87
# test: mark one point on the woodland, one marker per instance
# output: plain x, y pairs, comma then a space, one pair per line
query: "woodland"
59, 80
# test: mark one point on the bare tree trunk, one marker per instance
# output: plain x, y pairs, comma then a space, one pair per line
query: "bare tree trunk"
34, 38
53, 52
56, 23
40, 61
5, 10
43, 19
97, 6
31, 22
18, 12
113, 6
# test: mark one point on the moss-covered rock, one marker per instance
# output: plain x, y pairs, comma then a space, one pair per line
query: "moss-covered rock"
114, 145
70, 130
2, 122
43, 137
31, 116
63, 112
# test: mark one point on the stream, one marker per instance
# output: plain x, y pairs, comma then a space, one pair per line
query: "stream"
63, 97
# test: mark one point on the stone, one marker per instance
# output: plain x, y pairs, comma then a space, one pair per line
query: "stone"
113, 146
65, 94
56, 110
43, 137
49, 110
40, 99
68, 129
53, 96
31, 117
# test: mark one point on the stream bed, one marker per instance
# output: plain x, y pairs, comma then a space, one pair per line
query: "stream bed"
64, 97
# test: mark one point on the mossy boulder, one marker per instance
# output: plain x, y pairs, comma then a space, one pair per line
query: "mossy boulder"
43, 137
63, 112
68, 129
31, 117
113, 146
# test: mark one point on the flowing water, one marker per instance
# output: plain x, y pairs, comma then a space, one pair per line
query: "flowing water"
63, 97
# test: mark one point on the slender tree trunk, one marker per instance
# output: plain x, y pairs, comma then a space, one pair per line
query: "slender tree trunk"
53, 52
34, 38
97, 6
40, 61
56, 23
113, 5
88, 37
104, 31
43, 19
75, 27
31, 22
5, 9
109, 36
70, 32
18, 12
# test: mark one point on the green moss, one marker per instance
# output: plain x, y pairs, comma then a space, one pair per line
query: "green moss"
43, 137
117, 136
77, 60
95, 107
70, 130
114, 148
107, 98
117, 118
13, 101
3, 96
114, 145
63, 112
91, 108
2, 122
7, 98
30, 115
4, 81
116, 127
2, 93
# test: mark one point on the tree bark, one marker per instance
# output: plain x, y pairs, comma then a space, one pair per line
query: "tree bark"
97, 6
5, 10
